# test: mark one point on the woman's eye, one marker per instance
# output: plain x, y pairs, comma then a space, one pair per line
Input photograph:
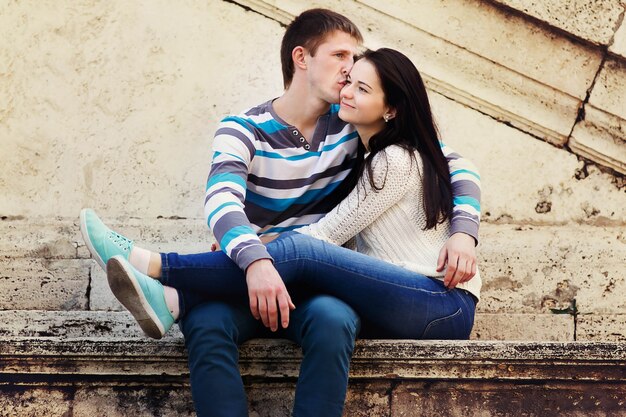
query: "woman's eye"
363, 90
348, 82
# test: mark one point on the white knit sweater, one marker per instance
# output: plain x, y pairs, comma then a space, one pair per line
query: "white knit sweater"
389, 223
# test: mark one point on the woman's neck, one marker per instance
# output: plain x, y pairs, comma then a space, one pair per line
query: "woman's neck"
366, 132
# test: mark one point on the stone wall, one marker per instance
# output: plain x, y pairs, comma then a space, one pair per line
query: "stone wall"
113, 105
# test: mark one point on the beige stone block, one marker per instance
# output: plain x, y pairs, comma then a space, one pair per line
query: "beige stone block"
73, 325
18, 401
503, 38
113, 105
38, 238
601, 137
587, 19
609, 89
551, 244
100, 296
525, 180
505, 326
531, 269
41, 284
619, 42
482, 68
59, 238
605, 327
597, 288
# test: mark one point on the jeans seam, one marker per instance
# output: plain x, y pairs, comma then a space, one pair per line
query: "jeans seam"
436, 321
299, 258
165, 270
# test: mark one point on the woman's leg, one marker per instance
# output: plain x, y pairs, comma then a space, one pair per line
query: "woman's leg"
406, 304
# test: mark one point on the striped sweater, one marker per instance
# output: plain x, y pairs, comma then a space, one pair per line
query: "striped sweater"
267, 178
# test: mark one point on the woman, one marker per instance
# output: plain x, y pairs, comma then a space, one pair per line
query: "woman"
399, 212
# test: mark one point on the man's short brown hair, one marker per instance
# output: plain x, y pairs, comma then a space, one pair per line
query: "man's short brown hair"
309, 30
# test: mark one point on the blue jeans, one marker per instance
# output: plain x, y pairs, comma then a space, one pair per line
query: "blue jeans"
391, 301
323, 326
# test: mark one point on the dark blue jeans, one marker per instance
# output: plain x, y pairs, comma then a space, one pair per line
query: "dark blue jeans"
391, 301
323, 326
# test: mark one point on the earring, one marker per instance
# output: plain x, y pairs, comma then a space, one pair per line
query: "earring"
386, 118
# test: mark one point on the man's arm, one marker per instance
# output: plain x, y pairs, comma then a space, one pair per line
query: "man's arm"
459, 252
224, 211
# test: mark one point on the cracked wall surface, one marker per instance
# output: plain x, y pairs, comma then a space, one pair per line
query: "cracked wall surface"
113, 105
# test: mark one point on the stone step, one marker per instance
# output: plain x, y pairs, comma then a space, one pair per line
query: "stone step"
95, 362
527, 271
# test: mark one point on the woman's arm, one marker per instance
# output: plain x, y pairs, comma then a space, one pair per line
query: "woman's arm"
392, 168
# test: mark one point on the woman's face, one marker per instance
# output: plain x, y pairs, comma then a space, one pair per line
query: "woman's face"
362, 99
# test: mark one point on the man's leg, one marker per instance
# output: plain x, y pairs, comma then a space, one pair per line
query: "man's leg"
213, 333
326, 328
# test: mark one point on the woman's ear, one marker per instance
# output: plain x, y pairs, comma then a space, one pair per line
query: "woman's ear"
297, 55
389, 114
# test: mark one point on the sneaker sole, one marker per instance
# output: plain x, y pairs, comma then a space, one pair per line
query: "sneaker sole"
128, 291
83, 231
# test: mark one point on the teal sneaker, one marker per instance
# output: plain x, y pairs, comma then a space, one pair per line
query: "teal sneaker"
143, 296
102, 242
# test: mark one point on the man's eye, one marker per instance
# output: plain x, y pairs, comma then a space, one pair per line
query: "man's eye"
348, 82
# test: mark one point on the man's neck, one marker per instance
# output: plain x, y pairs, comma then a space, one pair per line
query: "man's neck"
299, 108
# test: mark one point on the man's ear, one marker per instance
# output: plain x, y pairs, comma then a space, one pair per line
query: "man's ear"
297, 55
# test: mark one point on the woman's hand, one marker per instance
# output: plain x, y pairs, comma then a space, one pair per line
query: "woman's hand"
459, 254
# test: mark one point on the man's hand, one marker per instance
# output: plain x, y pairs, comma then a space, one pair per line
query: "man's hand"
268, 294
459, 253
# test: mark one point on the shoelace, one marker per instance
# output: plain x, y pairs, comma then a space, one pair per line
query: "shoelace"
122, 242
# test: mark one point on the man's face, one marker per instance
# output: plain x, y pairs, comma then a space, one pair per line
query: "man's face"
327, 70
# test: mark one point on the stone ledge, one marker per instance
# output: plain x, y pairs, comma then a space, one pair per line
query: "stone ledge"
49, 368
23, 358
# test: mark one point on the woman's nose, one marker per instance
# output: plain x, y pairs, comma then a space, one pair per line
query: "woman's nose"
346, 91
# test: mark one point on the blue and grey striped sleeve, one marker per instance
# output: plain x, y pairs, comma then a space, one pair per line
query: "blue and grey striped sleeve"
233, 150
466, 193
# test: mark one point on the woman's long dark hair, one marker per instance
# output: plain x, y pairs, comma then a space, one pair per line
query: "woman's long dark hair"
412, 128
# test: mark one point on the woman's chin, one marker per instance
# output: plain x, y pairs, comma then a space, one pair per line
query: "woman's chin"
345, 116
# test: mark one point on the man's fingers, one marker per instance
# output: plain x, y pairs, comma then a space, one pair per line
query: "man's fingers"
284, 304
263, 311
272, 313
254, 305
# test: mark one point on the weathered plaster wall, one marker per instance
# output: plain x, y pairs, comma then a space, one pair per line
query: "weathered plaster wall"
113, 105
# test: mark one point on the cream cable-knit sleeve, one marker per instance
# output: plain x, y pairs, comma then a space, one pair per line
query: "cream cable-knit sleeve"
392, 168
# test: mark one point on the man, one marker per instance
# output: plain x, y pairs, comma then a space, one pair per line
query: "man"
276, 167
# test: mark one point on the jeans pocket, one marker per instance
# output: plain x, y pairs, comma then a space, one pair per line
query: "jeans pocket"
447, 327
